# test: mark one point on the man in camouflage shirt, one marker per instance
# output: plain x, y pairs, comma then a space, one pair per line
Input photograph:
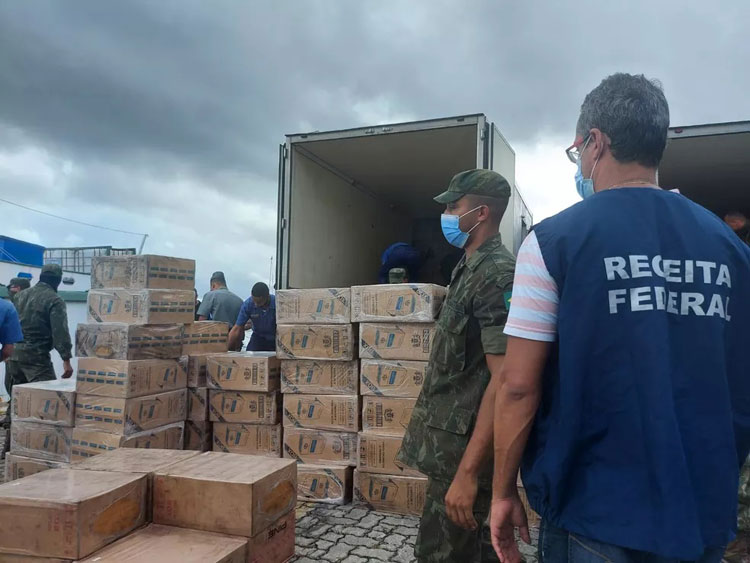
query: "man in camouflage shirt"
449, 437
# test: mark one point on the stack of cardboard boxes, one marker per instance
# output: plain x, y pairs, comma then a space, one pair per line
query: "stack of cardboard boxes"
200, 341
244, 403
396, 334
131, 386
205, 508
42, 416
316, 343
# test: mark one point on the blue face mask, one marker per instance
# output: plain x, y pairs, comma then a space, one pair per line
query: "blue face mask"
585, 186
452, 232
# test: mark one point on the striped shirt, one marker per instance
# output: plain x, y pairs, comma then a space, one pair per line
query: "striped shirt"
535, 300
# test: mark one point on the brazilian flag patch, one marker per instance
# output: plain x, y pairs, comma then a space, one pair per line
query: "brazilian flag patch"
507, 295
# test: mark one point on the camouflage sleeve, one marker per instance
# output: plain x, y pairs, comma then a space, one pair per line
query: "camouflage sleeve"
491, 305
58, 319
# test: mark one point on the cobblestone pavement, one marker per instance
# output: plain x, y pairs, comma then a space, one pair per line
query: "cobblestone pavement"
354, 534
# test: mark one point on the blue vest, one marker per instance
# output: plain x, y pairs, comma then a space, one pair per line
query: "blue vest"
645, 413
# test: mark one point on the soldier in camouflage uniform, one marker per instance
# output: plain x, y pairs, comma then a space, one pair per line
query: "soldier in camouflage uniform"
449, 437
16, 286
44, 321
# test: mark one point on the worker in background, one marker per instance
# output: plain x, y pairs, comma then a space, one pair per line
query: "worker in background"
739, 224
197, 305
44, 321
17, 285
219, 304
449, 437
400, 255
624, 387
259, 313
10, 334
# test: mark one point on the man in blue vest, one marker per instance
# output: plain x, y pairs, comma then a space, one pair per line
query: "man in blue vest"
625, 393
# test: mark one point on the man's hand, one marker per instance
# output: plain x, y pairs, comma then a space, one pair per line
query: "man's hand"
67, 369
459, 501
6, 352
508, 514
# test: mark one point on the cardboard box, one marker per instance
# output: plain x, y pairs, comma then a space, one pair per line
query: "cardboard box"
253, 439
386, 415
227, 493
320, 446
243, 371
275, 543
390, 493
197, 404
88, 443
118, 341
377, 454
41, 441
128, 378
130, 416
143, 271
244, 406
141, 306
320, 377
195, 365
315, 342
166, 544
198, 436
8, 558
205, 337
18, 467
51, 402
69, 514
395, 341
400, 302
135, 460
327, 484
325, 306
323, 412
392, 378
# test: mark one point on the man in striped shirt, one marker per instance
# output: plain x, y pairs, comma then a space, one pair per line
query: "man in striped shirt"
624, 393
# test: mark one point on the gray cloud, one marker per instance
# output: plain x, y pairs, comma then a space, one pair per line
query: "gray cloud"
188, 100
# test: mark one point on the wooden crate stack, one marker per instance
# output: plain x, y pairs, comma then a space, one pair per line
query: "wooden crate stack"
197, 507
396, 335
316, 343
131, 386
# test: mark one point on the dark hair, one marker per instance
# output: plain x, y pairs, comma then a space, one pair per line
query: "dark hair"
260, 290
735, 215
633, 112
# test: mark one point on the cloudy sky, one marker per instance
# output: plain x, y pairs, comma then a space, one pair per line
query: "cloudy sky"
164, 117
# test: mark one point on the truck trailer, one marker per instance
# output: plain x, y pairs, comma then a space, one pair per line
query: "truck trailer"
345, 196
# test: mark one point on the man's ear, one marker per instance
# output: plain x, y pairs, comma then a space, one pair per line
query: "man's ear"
599, 143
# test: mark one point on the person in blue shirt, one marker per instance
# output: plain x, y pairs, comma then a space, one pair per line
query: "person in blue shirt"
624, 396
10, 329
10, 334
259, 312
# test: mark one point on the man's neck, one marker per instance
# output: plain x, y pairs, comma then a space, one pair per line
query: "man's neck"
478, 238
631, 174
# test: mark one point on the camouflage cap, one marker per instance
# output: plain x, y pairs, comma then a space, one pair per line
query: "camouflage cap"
52, 269
486, 183
23, 283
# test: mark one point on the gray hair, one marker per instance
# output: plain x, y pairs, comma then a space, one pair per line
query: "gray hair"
633, 112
